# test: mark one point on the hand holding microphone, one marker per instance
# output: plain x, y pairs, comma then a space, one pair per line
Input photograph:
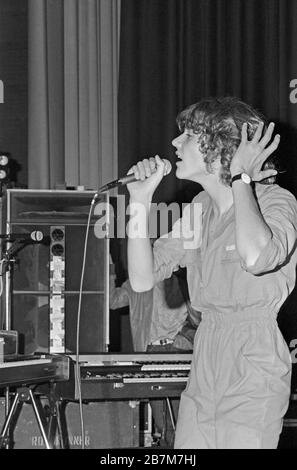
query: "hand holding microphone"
147, 175
143, 170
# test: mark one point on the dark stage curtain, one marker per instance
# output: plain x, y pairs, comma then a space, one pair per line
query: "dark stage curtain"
174, 52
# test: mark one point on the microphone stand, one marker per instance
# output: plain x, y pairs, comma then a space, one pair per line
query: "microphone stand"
8, 267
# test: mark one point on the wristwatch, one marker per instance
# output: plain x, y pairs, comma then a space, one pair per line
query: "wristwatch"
242, 176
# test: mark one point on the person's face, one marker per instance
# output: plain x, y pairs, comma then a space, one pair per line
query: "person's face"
190, 164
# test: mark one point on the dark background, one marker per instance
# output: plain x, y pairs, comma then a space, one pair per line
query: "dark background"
14, 74
174, 52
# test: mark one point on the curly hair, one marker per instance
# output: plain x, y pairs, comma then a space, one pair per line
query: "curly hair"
218, 123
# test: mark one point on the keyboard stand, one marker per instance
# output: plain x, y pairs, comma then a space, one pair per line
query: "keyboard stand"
169, 407
25, 394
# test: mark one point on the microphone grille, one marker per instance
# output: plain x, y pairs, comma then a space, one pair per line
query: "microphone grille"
37, 236
168, 166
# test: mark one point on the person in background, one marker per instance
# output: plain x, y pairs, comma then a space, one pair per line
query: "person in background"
162, 320
240, 264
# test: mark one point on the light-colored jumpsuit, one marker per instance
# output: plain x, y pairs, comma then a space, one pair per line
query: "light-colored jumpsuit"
239, 385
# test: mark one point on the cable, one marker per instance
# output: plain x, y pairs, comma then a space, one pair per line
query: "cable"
1, 276
77, 368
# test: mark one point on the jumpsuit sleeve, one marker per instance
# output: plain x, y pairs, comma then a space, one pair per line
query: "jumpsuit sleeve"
179, 247
279, 209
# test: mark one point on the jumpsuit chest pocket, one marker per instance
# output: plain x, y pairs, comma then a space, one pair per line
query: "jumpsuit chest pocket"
230, 255
229, 272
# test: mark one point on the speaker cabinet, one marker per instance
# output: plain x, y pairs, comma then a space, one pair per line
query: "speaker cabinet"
42, 291
107, 425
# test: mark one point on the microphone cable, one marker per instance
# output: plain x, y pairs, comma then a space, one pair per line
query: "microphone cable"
77, 367
1, 276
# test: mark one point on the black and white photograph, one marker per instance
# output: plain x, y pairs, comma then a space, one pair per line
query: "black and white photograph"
148, 228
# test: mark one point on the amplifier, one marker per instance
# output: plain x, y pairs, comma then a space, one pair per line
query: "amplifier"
107, 425
41, 299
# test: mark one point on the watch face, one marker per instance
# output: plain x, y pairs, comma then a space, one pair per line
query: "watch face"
245, 178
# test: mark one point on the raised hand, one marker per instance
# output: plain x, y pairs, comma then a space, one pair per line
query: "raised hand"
251, 154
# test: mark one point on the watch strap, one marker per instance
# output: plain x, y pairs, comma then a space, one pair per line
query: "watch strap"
236, 177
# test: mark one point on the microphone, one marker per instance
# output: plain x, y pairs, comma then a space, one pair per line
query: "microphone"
20, 240
131, 178
35, 236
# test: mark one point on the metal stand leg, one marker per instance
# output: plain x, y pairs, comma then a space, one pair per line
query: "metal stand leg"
170, 413
59, 424
22, 395
63, 424
39, 420
54, 422
4, 438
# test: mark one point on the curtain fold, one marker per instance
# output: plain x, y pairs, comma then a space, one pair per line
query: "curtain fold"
73, 78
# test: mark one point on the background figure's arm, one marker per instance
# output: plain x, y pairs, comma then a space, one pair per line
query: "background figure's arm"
118, 296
